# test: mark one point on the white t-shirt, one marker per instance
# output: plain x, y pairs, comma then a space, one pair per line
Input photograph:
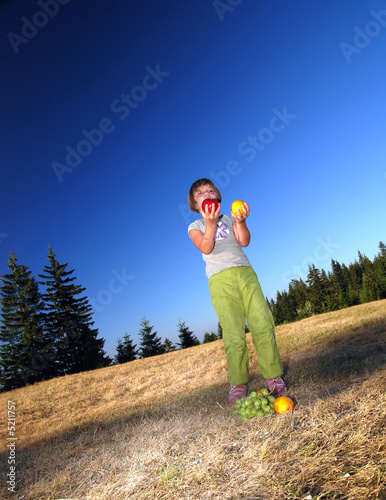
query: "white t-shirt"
226, 252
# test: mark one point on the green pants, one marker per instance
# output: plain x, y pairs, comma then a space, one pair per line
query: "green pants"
236, 295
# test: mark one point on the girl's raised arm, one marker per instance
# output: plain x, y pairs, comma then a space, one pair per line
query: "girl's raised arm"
205, 241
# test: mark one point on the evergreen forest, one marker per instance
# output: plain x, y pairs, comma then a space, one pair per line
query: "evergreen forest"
45, 334
343, 286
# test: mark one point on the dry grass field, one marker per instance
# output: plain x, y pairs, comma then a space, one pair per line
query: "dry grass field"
161, 428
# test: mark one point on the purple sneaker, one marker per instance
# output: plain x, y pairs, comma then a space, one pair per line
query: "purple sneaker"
276, 386
237, 392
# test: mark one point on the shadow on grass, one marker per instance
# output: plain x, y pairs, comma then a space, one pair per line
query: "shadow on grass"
331, 368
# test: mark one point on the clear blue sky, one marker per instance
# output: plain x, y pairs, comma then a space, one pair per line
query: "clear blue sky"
281, 103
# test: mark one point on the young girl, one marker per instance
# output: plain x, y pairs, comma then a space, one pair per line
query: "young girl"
235, 291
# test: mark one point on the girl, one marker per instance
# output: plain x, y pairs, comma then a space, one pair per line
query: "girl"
235, 291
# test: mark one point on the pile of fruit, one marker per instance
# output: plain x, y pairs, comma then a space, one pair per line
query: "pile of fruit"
261, 404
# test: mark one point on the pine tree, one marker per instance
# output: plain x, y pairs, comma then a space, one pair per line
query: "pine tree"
69, 322
355, 283
326, 289
151, 345
369, 290
337, 286
290, 306
298, 296
186, 336
219, 330
277, 309
306, 311
24, 349
209, 337
316, 289
380, 270
126, 351
168, 345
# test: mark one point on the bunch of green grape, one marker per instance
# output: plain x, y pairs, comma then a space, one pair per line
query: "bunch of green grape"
256, 404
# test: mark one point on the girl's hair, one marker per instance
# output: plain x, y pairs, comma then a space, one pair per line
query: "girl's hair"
193, 189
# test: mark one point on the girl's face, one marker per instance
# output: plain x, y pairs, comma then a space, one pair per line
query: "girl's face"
202, 193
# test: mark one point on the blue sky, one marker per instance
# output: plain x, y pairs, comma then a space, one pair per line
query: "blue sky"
110, 113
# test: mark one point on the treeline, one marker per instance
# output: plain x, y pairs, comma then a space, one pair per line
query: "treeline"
344, 286
50, 333
152, 345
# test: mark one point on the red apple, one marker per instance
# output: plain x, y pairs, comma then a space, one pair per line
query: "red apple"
209, 203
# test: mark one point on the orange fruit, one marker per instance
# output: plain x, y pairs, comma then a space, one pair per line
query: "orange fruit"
235, 205
283, 404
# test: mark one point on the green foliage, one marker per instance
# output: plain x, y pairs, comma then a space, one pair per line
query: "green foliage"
344, 286
23, 347
209, 337
168, 345
151, 345
186, 336
68, 322
126, 351
45, 335
306, 311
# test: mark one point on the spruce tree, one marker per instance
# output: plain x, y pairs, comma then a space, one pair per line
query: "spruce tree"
291, 303
24, 348
380, 270
219, 330
209, 337
337, 286
298, 293
150, 345
68, 322
186, 336
306, 311
126, 351
369, 290
277, 309
168, 345
355, 283
316, 288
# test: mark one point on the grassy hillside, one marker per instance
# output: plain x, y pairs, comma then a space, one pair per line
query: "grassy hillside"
160, 428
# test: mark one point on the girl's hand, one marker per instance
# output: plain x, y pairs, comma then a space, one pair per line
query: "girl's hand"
242, 216
211, 216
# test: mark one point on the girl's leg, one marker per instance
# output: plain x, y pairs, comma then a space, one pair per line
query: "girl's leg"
228, 304
261, 324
